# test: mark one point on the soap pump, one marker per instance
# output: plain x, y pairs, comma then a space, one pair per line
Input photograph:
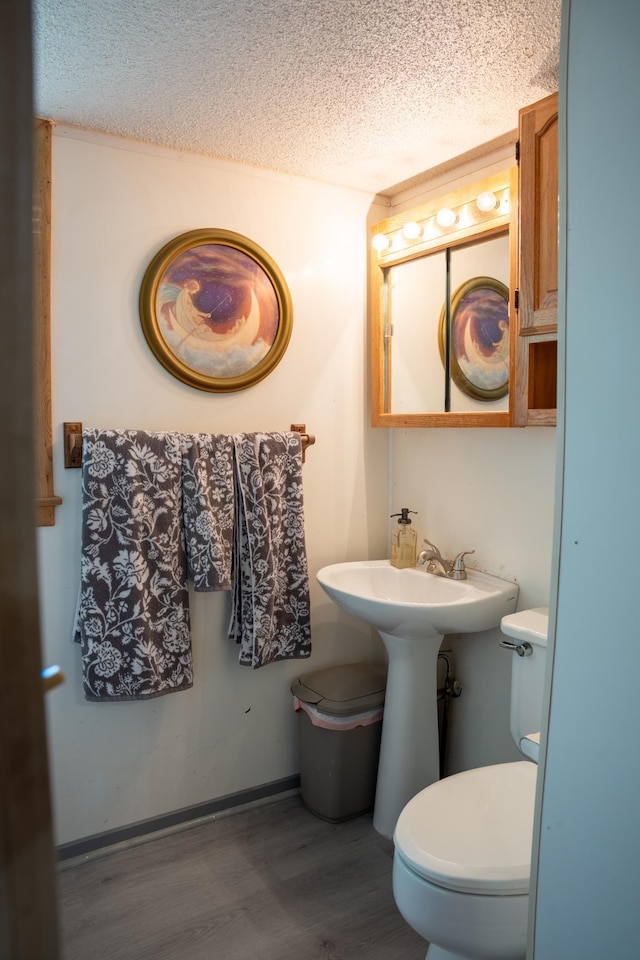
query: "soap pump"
403, 541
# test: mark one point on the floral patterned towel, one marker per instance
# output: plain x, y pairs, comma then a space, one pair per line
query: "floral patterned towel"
133, 611
208, 507
270, 602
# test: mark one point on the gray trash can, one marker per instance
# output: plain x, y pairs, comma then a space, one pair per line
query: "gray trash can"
340, 710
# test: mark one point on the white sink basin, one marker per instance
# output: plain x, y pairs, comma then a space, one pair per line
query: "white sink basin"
413, 603
412, 610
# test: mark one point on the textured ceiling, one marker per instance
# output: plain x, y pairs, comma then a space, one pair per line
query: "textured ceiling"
354, 92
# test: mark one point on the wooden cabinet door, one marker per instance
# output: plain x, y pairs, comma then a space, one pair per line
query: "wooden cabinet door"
538, 227
535, 349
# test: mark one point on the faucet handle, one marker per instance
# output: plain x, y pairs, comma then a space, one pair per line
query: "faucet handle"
458, 569
432, 547
458, 563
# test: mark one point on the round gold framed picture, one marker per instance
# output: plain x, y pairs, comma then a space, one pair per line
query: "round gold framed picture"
215, 310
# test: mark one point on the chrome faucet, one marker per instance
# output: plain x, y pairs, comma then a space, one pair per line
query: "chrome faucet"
436, 564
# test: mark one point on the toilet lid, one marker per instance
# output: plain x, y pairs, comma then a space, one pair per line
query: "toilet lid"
472, 832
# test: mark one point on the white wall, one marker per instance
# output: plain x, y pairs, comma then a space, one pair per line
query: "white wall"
589, 847
115, 203
492, 491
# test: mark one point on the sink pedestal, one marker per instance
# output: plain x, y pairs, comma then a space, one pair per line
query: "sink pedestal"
409, 751
412, 610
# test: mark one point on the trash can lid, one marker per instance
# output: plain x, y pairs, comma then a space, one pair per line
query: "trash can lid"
344, 689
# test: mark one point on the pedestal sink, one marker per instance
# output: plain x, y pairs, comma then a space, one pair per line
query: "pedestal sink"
412, 611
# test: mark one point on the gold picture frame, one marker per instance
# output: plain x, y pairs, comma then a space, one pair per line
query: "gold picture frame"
215, 310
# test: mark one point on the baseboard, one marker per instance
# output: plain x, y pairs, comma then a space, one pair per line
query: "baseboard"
179, 819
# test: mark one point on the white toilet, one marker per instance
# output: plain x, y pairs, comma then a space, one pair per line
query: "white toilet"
463, 845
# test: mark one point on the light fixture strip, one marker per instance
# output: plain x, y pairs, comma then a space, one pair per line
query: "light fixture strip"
422, 228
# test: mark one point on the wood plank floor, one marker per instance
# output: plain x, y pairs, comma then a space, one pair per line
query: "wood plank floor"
270, 883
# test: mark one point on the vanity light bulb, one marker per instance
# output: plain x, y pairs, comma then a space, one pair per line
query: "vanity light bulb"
411, 230
446, 218
380, 242
486, 202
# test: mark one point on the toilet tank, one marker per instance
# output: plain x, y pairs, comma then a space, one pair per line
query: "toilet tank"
527, 673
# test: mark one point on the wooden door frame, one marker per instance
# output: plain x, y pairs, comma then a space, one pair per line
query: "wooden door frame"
28, 923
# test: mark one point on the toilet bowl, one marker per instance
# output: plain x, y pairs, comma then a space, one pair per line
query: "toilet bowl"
462, 855
462, 861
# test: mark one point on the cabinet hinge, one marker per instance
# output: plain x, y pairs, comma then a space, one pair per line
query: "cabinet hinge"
517, 151
516, 299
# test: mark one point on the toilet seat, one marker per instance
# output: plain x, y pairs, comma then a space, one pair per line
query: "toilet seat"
472, 832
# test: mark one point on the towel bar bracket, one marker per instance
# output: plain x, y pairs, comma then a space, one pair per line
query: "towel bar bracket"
307, 438
72, 445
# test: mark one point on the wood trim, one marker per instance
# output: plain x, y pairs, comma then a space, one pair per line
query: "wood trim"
549, 330
514, 339
376, 341
46, 500
28, 925
541, 418
520, 379
462, 419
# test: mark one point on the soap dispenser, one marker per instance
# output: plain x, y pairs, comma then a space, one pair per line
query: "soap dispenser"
403, 541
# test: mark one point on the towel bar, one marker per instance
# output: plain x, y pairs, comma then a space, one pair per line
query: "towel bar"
73, 442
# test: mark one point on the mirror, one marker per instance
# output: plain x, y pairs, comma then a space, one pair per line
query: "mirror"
441, 276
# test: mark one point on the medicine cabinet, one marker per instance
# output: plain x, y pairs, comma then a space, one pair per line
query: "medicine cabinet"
442, 282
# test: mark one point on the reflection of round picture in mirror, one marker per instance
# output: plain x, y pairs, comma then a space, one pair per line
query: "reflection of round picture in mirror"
479, 338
